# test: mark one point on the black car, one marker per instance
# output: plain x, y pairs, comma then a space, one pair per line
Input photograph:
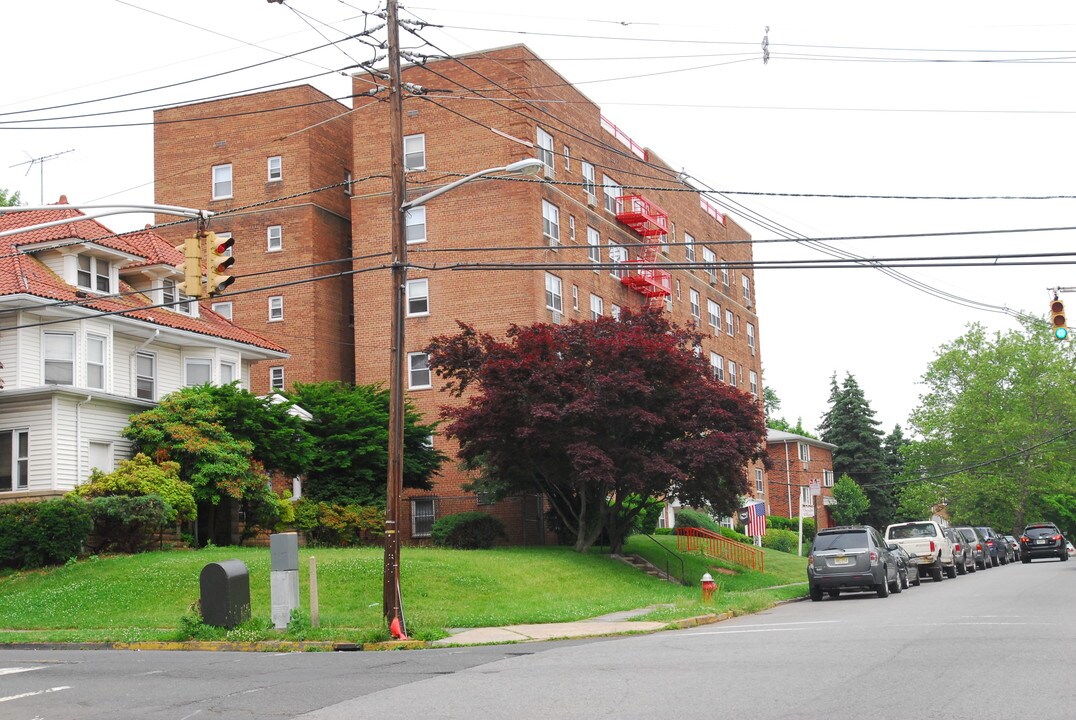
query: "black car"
907, 566
1042, 540
993, 545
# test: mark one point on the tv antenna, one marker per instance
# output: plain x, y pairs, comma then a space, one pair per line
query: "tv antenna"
40, 162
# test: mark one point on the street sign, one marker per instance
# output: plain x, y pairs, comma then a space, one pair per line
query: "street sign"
816, 488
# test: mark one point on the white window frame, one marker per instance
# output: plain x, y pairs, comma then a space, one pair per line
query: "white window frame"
725, 274
233, 371
274, 168
104, 449
617, 256
551, 223
102, 366
709, 262
276, 308
56, 362
546, 152
567, 159
717, 365
224, 309
99, 272
575, 298
415, 225
274, 238
414, 151
689, 247
221, 186
751, 337
730, 323
141, 378
759, 481
554, 293
713, 315
589, 187
611, 190
20, 459
192, 362
418, 369
571, 227
732, 373
418, 290
347, 182
745, 281
803, 450
594, 246
426, 516
827, 478
276, 377
753, 382
597, 306
614, 312
695, 301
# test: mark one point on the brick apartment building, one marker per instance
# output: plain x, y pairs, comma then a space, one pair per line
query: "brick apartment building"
797, 461
583, 211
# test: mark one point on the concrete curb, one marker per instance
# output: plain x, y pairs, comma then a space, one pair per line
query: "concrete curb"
699, 620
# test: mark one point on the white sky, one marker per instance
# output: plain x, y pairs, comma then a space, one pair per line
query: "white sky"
839, 109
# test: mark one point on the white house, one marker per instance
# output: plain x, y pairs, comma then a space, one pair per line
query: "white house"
84, 345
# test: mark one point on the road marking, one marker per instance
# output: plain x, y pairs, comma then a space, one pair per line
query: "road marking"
13, 670
31, 694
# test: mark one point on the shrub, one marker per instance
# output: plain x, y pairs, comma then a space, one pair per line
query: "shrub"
33, 534
783, 540
332, 525
127, 524
783, 523
140, 476
733, 535
686, 517
467, 531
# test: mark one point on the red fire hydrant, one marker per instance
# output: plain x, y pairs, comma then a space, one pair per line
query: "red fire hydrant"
708, 587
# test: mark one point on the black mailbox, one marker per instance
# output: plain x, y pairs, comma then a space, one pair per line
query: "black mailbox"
225, 589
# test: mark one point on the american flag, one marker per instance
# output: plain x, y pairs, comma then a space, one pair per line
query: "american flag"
756, 519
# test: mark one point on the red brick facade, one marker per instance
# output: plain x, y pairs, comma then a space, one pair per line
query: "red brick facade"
795, 462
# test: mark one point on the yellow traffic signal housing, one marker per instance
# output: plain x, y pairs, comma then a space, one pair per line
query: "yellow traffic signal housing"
192, 269
1057, 319
217, 260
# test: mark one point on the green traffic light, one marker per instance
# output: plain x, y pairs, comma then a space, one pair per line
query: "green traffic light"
1061, 333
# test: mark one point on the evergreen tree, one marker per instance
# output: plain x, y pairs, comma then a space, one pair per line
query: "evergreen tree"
892, 445
851, 426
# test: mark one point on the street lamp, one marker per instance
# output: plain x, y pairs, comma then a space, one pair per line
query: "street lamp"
392, 602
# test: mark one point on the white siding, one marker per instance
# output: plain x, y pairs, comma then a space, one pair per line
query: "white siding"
100, 421
36, 416
9, 348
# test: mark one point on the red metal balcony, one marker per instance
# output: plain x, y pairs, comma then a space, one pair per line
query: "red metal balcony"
652, 283
642, 216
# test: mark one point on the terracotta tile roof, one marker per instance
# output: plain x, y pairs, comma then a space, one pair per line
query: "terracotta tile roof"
22, 273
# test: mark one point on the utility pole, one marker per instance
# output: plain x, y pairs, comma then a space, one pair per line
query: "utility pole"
392, 602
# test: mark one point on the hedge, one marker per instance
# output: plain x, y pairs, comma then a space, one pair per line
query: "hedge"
467, 531
34, 534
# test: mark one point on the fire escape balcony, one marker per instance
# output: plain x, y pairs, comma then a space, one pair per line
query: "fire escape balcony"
642, 216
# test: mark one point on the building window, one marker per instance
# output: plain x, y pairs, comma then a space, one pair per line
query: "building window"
753, 383
567, 159
827, 478
713, 315
415, 152
146, 376
415, 226
696, 310
545, 151
197, 371
274, 235
730, 324
617, 255
597, 307
94, 274
418, 297
227, 373
571, 227
275, 168
14, 460
95, 361
588, 183
347, 182
746, 282
276, 308
551, 222
717, 366
222, 182
594, 246
423, 514
751, 337
59, 355
709, 262
689, 247
732, 373
419, 376
224, 309
554, 299
614, 312
758, 481
612, 193
678, 290
724, 273
176, 300
804, 452
575, 298
276, 378
100, 456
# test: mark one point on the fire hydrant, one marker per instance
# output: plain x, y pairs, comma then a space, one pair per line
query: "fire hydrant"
708, 587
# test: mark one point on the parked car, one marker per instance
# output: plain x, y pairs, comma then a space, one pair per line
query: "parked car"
1005, 553
1072, 550
992, 544
853, 557
1015, 545
925, 541
1042, 540
963, 557
907, 565
976, 544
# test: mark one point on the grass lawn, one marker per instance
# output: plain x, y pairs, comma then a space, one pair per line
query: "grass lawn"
150, 596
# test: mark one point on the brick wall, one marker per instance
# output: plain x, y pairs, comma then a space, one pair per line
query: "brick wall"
788, 475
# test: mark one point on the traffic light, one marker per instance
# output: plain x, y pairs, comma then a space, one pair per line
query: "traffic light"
217, 260
1057, 319
192, 269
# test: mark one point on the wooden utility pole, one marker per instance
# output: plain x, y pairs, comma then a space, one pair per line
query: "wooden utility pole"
392, 602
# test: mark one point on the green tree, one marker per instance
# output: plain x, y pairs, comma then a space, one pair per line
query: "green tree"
851, 426
139, 477
850, 502
351, 440
598, 415
995, 423
8, 199
917, 501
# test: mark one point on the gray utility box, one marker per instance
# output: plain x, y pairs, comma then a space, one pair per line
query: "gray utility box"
283, 577
225, 590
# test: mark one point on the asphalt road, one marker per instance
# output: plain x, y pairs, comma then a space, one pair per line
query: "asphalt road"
995, 644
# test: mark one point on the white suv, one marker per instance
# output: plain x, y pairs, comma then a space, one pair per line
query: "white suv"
925, 541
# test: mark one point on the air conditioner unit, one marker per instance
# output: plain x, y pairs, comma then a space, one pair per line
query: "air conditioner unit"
556, 316
805, 464
592, 201
547, 170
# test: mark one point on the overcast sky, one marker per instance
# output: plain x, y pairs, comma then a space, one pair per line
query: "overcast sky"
946, 100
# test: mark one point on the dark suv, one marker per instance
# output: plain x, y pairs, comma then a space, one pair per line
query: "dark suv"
1042, 540
852, 557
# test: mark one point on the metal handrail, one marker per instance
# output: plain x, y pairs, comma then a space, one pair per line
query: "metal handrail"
715, 545
670, 552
